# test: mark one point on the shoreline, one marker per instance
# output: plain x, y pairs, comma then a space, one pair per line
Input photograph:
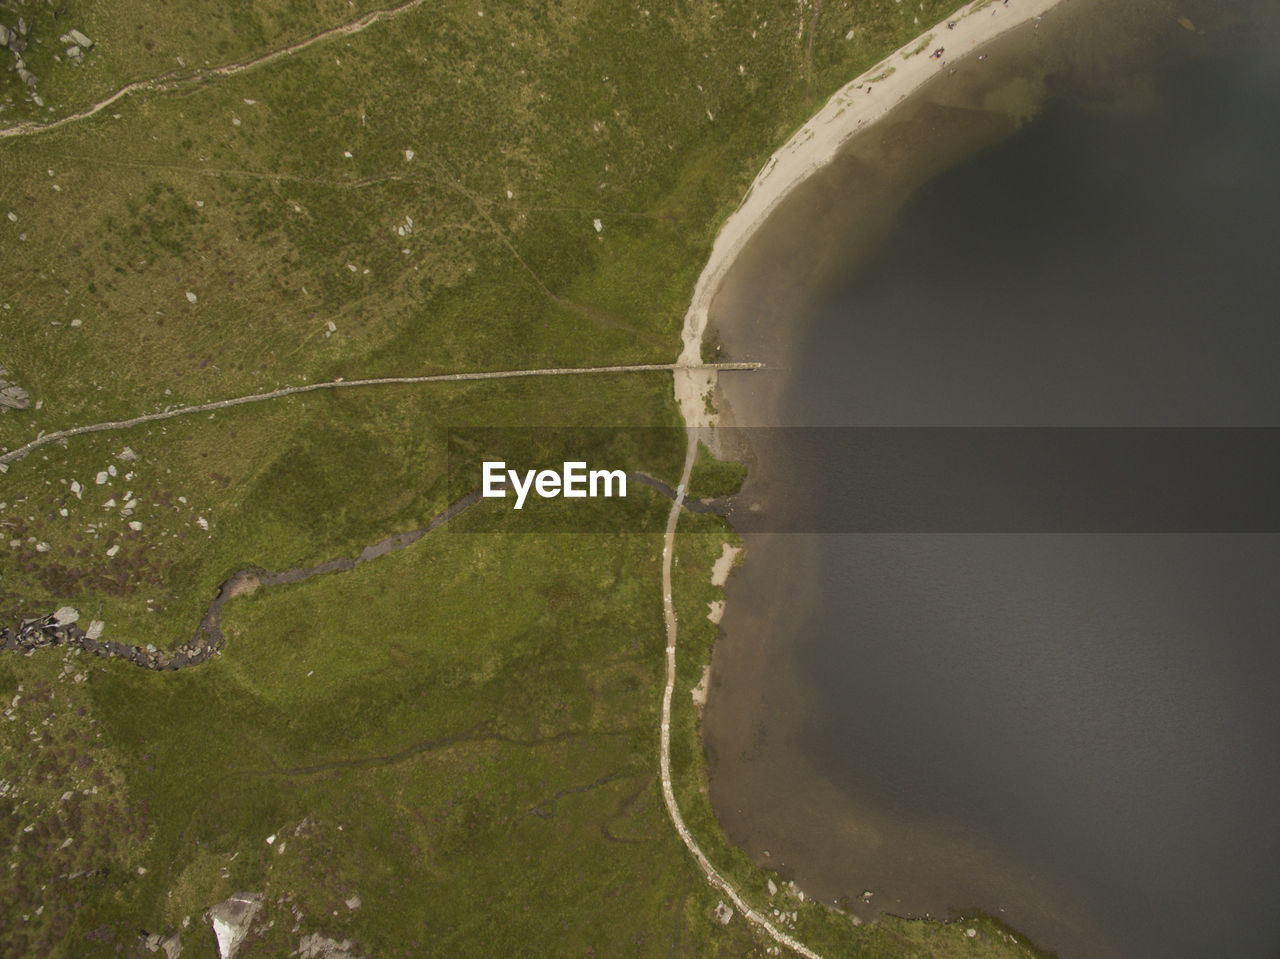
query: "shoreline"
745, 283
848, 112
845, 114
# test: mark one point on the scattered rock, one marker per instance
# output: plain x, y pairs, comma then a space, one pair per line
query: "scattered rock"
127, 455
101, 478
353, 903
316, 946
66, 615
723, 913
95, 629
154, 942
597, 224
773, 888
191, 297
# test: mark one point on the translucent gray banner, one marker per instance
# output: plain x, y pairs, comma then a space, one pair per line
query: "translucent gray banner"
900, 480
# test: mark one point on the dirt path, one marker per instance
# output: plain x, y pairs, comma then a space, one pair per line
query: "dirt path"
668, 794
173, 81
45, 438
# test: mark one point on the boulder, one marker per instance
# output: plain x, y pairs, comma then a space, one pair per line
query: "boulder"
231, 920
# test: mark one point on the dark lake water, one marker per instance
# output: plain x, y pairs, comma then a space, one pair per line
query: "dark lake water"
1078, 732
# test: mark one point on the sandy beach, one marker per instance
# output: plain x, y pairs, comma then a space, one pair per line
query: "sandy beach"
853, 108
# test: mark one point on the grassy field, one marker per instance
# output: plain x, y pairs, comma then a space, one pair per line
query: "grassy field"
462, 734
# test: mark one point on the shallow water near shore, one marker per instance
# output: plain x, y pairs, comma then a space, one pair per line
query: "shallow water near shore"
1077, 733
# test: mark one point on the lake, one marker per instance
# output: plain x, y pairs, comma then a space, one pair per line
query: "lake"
1072, 728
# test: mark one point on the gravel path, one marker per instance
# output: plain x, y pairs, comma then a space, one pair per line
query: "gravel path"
58, 435
173, 81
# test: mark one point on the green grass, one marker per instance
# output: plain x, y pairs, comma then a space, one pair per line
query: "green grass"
712, 478
463, 733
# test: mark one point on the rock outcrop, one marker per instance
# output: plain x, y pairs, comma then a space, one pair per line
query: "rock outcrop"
231, 920
12, 396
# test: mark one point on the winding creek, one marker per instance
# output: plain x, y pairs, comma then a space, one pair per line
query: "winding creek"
208, 639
